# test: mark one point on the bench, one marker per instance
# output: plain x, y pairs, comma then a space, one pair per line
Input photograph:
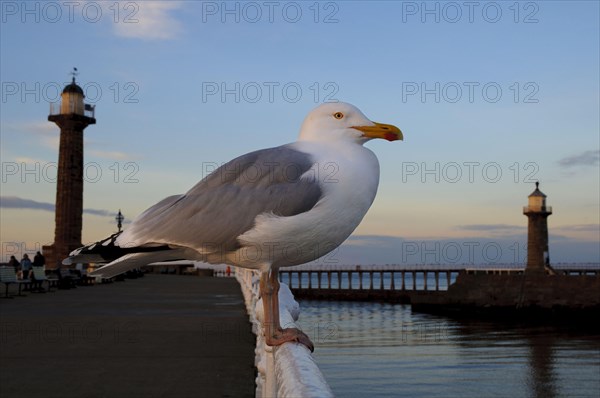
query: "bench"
8, 276
84, 279
66, 279
38, 277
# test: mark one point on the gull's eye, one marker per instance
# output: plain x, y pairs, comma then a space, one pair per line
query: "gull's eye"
338, 115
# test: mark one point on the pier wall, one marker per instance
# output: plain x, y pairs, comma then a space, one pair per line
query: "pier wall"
526, 291
570, 291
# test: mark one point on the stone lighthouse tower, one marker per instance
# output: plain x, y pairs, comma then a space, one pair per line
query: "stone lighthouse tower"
72, 116
538, 258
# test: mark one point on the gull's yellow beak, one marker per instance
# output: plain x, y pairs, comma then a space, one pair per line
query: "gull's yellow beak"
380, 130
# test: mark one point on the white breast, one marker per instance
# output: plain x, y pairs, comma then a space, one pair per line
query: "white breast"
349, 175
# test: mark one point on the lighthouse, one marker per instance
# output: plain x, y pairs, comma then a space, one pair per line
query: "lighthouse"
538, 257
72, 116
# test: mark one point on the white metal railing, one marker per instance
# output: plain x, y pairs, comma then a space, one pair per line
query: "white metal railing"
88, 110
395, 267
427, 267
288, 370
55, 108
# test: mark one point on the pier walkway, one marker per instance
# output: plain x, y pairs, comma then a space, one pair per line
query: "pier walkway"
160, 335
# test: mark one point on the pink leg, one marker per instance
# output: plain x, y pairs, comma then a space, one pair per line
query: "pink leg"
274, 333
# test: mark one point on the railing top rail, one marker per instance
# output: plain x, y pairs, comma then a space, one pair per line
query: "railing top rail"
288, 370
430, 267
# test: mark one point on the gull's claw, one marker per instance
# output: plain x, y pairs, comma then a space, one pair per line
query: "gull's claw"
290, 334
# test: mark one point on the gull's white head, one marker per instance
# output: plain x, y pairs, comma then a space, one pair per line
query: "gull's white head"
340, 121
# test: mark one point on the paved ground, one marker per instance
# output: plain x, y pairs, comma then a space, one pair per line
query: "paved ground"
156, 336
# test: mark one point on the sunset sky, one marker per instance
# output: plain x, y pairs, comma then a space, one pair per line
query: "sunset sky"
491, 97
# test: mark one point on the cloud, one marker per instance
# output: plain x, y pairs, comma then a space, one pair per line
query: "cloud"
374, 249
582, 232
45, 133
149, 20
39, 128
494, 229
48, 135
580, 227
114, 155
28, 160
373, 240
587, 158
14, 202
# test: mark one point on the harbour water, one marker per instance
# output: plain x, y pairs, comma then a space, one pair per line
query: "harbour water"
383, 350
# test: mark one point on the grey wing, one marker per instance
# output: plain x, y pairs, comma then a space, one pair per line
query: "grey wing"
225, 204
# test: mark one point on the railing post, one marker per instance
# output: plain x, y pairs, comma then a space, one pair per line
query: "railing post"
350, 280
360, 280
424, 280
310, 279
319, 274
328, 279
414, 280
371, 281
437, 280
339, 279
297, 280
403, 280
393, 283
381, 280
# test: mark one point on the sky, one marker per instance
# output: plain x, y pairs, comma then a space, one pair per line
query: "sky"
491, 97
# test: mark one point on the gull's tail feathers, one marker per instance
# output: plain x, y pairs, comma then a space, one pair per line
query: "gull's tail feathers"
119, 259
108, 250
135, 260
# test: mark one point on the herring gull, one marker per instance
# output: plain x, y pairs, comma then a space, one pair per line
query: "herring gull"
267, 209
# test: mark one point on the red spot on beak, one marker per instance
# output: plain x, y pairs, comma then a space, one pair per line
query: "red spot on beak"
391, 136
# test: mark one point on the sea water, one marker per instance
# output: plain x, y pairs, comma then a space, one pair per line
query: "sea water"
368, 349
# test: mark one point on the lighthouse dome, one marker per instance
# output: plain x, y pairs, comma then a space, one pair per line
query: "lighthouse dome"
72, 99
73, 88
537, 199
